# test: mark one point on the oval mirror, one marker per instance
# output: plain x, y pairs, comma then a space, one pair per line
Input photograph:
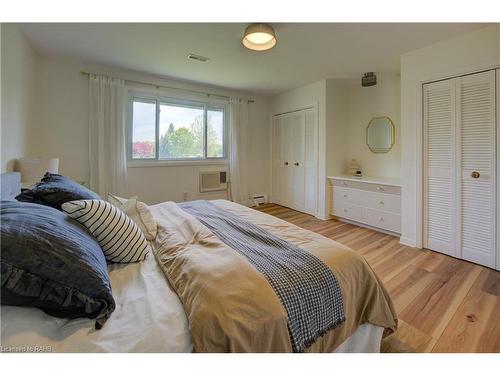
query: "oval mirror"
380, 134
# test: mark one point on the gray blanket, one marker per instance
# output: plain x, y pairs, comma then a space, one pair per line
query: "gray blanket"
306, 287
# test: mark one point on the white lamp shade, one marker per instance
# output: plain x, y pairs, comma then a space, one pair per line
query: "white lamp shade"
33, 169
259, 37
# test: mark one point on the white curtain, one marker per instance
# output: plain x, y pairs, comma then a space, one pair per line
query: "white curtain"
107, 141
238, 183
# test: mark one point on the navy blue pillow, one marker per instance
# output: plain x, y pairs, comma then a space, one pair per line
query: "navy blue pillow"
54, 190
50, 261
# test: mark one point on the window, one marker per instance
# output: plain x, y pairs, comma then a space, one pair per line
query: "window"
144, 129
163, 129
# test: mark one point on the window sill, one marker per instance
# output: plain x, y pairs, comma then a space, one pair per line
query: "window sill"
174, 163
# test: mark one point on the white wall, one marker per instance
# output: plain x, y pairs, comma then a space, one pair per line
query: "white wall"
335, 141
18, 68
363, 104
467, 53
61, 130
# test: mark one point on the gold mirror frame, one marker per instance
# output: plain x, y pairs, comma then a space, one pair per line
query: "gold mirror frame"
393, 135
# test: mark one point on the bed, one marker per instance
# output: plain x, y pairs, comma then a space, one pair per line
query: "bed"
154, 314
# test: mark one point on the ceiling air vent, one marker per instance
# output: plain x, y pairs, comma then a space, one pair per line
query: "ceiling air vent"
192, 56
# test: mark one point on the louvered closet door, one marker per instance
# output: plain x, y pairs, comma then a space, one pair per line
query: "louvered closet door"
440, 189
278, 165
498, 168
476, 122
310, 162
298, 147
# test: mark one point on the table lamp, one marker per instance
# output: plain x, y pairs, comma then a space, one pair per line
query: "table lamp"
33, 168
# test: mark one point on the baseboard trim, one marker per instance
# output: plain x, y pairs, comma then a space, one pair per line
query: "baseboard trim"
363, 225
322, 217
407, 241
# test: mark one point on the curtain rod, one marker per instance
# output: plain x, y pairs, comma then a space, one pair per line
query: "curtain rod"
173, 88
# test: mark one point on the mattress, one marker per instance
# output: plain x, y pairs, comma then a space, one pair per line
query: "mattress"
149, 317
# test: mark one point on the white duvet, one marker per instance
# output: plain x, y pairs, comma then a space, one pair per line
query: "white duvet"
148, 318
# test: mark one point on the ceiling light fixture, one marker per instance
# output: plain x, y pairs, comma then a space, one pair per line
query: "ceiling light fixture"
259, 37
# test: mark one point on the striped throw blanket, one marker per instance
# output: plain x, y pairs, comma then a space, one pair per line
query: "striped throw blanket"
306, 287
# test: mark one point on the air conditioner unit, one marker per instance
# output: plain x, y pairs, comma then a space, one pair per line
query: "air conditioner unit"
213, 181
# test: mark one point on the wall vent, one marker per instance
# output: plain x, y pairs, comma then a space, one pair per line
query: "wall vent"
192, 56
213, 181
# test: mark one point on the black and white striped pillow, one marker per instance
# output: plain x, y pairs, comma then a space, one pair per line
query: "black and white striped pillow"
120, 238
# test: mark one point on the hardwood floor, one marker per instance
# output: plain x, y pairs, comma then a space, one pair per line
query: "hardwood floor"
444, 304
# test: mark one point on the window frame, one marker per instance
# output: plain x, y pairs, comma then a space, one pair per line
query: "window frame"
188, 103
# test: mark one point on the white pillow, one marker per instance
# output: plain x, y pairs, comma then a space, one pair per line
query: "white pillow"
137, 211
120, 238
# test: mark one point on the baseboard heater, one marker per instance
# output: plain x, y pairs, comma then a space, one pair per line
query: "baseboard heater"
259, 199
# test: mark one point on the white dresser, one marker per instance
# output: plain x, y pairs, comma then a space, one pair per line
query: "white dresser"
374, 202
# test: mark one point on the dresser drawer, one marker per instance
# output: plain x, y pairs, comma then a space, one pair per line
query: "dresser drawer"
347, 211
386, 189
384, 220
346, 183
384, 202
347, 195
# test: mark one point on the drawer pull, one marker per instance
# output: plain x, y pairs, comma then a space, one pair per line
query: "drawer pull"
344, 183
345, 195
381, 219
381, 202
345, 209
380, 188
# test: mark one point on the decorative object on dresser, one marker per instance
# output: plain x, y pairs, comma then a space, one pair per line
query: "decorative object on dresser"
33, 168
354, 168
373, 202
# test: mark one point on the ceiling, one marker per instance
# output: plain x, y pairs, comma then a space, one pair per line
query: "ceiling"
305, 53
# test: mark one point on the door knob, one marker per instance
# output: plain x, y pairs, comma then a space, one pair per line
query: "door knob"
475, 174
296, 164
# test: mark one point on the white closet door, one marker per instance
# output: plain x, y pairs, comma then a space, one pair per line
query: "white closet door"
476, 122
310, 162
439, 169
277, 159
298, 148
287, 177
294, 160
